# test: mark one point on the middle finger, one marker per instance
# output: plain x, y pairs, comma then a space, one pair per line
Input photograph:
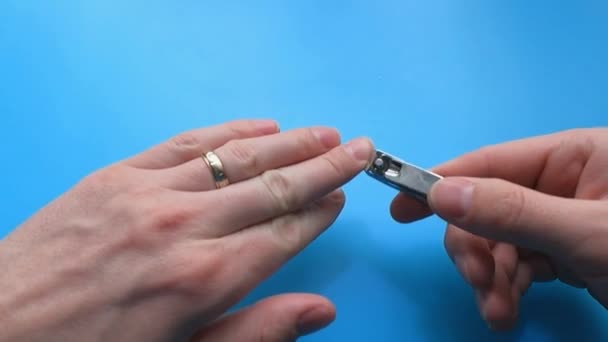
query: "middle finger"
247, 158
471, 255
288, 189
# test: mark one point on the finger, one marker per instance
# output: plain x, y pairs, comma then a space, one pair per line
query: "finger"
496, 303
288, 189
522, 280
503, 211
193, 144
471, 255
279, 318
500, 306
564, 167
593, 182
405, 209
264, 248
520, 161
246, 158
506, 256
502, 318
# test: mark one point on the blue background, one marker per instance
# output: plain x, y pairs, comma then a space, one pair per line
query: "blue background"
85, 83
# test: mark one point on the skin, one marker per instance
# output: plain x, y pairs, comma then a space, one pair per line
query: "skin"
148, 250
524, 211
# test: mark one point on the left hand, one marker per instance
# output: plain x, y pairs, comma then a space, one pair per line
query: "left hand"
148, 249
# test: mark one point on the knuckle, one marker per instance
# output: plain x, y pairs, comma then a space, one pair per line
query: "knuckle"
485, 155
574, 132
163, 218
145, 213
287, 234
244, 154
240, 128
579, 141
186, 140
105, 184
103, 178
290, 233
308, 142
508, 208
258, 254
193, 276
280, 189
334, 167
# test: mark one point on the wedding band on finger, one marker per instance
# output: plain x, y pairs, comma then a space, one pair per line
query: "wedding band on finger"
217, 169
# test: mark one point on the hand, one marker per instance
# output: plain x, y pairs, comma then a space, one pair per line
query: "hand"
148, 250
524, 211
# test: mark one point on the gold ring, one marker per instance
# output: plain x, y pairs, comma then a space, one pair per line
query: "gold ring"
217, 169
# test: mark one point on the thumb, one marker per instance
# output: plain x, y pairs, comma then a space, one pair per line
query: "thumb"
503, 211
281, 318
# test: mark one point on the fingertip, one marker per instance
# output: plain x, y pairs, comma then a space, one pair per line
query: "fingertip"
360, 149
451, 197
477, 270
497, 305
371, 150
329, 137
404, 209
496, 311
267, 126
337, 196
371, 144
472, 257
317, 317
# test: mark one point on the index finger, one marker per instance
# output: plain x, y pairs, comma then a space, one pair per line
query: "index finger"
519, 161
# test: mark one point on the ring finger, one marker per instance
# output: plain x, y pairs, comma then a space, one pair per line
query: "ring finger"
247, 158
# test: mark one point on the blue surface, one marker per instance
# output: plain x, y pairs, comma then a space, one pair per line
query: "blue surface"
85, 83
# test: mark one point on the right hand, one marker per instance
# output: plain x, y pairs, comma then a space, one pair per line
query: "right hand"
524, 211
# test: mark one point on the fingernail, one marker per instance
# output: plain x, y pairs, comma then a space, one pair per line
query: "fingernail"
453, 196
337, 196
313, 320
359, 149
327, 137
267, 126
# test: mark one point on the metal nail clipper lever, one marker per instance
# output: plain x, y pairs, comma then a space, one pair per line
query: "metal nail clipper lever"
405, 177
